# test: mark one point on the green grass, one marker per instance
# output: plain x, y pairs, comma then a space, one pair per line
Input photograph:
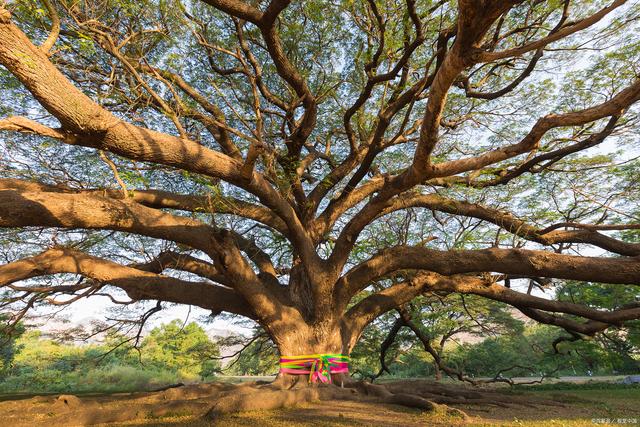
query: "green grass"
108, 379
591, 385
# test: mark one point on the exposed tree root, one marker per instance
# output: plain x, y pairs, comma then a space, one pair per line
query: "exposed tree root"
262, 399
411, 400
167, 387
214, 400
287, 382
440, 393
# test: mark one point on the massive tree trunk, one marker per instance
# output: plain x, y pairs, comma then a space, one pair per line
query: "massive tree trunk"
322, 337
315, 340
307, 327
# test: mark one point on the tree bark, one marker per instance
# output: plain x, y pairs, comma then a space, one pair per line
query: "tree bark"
437, 371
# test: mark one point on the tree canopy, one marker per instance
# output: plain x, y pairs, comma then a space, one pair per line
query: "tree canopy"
314, 165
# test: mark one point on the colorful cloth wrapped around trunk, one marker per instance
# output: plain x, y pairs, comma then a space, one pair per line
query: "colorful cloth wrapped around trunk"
319, 367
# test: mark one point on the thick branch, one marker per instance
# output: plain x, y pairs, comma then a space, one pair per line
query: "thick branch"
396, 185
588, 328
163, 200
92, 211
613, 107
55, 27
560, 34
481, 287
92, 126
396, 295
237, 8
512, 224
520, 262
184, 262
137, 283
474, 20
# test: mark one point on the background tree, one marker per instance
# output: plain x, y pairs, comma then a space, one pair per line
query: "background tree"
256, 357
427, 325
8, 345
170, 354
185, 349
244, 157
621, 343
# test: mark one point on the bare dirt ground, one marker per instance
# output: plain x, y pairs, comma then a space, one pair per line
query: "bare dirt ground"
531, 408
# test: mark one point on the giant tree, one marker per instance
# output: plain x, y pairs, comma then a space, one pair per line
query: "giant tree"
248, 156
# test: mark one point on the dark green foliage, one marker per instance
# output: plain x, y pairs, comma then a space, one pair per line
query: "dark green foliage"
169, 354
8, 345
186, 350
259, 358
529, 353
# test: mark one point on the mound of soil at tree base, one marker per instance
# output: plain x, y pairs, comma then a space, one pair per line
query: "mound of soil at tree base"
213, 402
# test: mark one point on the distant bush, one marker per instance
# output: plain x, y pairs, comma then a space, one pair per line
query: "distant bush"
106, 379
8, 344
169, 354
127, 378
